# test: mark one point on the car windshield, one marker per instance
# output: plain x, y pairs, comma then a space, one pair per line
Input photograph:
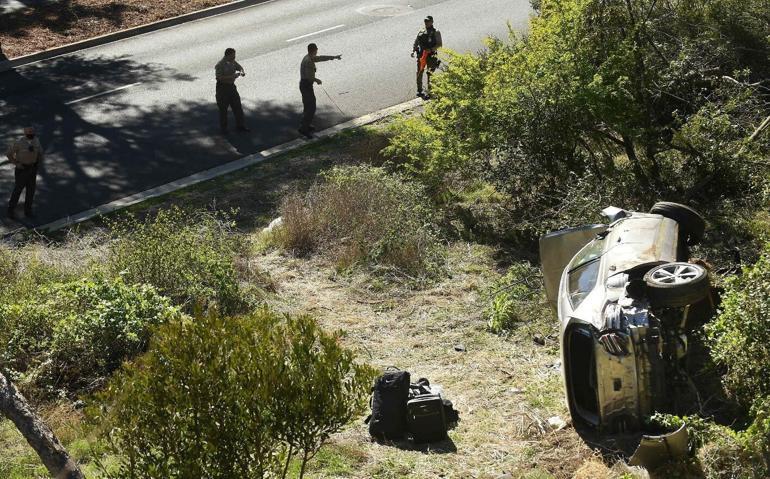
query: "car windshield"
590, 252
584, 271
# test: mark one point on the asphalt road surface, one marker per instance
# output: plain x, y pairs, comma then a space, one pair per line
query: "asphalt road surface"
134, 114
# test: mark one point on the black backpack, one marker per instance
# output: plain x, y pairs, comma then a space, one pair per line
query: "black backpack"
399, 407
389, 395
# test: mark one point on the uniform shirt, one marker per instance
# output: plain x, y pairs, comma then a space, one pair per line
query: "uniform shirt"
227, 68
307, 67
436, 35
20, 155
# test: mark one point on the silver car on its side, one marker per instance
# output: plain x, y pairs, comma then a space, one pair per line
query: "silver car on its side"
624, 294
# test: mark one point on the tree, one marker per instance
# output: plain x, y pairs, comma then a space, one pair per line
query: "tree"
38, 435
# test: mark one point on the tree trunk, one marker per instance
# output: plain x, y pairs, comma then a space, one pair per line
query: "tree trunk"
38, 435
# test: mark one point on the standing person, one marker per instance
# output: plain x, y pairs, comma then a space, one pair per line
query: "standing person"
25, 154
307, 77
426, 44
227, 70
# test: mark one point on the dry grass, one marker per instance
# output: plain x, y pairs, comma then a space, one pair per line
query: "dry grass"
66, 21
505, 389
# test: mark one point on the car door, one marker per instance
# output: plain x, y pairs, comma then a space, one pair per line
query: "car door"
557, 249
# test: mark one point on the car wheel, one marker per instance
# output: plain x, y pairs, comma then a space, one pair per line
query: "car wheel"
690, 222
676, 285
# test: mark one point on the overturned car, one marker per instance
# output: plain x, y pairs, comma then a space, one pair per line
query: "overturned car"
627, 299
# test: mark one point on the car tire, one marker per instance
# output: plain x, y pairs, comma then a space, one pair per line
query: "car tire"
691, 223
675, 285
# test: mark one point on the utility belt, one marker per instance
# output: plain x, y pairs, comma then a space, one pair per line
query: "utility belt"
221, 84
306, 82
30, 166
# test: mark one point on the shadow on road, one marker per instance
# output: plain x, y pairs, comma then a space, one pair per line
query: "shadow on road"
126, 148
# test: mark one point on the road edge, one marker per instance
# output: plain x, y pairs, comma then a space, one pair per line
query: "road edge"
10, 64
221, 170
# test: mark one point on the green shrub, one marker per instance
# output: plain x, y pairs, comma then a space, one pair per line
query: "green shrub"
740, 335
517, 299
720, 452
363, 215
72, 335
189, 257
223, 397
603, 102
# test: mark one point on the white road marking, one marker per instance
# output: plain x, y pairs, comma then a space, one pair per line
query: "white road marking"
316, 33
103, 93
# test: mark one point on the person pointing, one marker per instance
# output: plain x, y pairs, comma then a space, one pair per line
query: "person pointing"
307, 80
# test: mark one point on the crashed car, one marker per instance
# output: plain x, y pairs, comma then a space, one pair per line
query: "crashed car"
626, 298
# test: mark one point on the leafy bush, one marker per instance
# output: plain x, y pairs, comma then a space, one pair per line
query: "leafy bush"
740, 335
604, 102
189, 257
362, 215
72, 335
223, 397
721, 452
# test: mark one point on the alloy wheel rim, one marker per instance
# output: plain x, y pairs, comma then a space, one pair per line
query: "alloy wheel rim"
677, 273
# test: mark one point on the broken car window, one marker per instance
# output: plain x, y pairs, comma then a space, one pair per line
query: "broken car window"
584, 271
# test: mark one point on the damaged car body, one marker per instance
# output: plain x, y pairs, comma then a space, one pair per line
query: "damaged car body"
627, 299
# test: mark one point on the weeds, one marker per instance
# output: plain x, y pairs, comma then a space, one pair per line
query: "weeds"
363, 216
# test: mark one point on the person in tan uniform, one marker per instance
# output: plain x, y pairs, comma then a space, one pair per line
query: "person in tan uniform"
25, 154
307, 79
226, 71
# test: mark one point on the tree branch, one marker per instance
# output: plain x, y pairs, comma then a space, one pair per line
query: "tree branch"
36, 432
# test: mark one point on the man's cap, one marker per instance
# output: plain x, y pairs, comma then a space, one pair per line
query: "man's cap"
429, 18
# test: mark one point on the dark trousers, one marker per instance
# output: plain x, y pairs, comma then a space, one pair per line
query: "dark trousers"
308, 103
25, 179
227, 96
421, 70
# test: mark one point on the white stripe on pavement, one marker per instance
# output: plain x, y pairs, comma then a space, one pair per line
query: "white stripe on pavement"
316, 33
103, 93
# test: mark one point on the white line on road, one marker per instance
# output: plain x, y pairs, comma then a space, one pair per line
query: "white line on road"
103, 93
315, 33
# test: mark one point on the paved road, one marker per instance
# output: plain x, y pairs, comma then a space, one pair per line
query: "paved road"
138, 113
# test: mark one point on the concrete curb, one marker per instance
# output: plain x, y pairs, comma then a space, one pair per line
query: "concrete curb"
129, 32
221, 170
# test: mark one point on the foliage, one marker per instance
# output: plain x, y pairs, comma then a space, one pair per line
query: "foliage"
363, 215
721, 452
740, 335
22, 272
224, 397
189, 257
72, 335
616, 101
322, 388
515, 299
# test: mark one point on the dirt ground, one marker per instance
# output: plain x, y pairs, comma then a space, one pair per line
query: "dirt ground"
66, 21
504, 388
